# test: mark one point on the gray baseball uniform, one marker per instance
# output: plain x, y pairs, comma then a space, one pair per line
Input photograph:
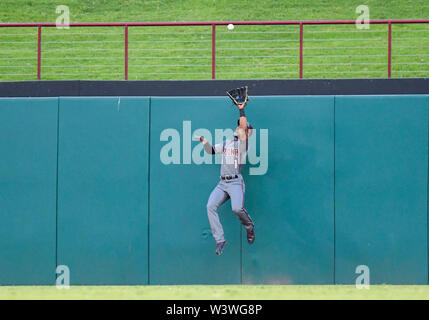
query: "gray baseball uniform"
233, 159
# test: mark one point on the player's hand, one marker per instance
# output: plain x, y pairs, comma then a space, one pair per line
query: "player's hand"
201, 139
241, 106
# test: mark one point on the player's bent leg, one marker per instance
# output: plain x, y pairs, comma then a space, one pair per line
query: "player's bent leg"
244, 217
236, 192
247, 223
216, 199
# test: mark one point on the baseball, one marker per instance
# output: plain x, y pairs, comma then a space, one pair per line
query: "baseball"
230, 26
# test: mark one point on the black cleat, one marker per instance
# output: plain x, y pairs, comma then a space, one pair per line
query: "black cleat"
219, 247
251, 235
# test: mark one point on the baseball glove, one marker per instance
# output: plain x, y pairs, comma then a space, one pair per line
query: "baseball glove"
239, 95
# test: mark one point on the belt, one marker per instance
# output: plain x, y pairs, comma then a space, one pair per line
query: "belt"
229, 177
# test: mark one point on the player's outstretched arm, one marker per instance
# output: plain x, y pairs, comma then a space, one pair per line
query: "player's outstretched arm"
207, 146
243, 120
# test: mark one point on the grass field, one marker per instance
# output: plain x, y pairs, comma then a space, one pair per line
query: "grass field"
272, 292
247, 52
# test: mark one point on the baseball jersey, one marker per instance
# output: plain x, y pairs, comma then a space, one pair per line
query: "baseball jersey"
233, 156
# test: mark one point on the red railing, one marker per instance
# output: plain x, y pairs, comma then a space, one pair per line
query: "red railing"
213, 25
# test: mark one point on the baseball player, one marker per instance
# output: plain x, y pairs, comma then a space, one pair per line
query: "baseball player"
231, 184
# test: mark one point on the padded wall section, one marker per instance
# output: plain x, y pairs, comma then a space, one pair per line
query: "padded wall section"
381, 188
28, 164
103, 190
182, 249
292, 204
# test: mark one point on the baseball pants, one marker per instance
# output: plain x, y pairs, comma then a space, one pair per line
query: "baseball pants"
227, 189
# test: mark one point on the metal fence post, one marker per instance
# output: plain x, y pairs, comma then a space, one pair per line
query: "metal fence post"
389, 51
301, 36
39, 51
126, 52
213, 51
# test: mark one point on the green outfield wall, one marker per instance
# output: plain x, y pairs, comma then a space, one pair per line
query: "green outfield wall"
342, 181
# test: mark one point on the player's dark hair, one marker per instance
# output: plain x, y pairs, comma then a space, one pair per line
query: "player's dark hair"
249, 126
